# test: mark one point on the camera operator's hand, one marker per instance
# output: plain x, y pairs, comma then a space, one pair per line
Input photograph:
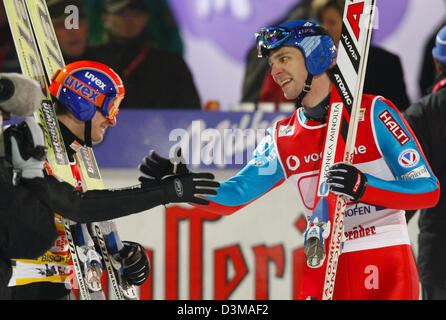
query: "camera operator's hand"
26, 145
188, 187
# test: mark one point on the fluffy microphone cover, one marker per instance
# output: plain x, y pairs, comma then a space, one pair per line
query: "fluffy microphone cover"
26, 98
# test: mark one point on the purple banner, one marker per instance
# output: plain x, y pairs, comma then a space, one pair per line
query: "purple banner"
231, 24
208, 139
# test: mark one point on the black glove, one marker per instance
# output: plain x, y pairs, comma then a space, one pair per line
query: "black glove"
187, 187
154, 167
135, 263
345, 179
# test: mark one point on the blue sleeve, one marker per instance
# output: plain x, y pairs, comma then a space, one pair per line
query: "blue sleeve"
415, 186
262, 173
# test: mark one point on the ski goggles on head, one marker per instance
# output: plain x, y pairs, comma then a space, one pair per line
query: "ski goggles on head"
273, 37
108, 105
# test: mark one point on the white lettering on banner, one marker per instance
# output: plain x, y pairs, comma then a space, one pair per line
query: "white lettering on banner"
227, 143
223, 145
241, 9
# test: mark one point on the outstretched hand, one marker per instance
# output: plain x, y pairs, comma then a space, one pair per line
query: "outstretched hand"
154, 168
189, 187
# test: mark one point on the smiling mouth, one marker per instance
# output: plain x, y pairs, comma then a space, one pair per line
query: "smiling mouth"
284, 82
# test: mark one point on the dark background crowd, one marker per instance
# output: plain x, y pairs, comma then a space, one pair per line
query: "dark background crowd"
140, 40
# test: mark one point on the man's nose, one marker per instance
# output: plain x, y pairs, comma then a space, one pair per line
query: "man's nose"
111, 122
275, 71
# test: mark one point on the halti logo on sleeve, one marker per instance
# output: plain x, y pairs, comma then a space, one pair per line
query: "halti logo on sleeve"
394, 127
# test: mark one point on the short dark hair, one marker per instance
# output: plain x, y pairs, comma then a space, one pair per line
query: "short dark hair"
59, 107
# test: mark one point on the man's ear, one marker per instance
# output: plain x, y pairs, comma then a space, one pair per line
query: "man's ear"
437, 65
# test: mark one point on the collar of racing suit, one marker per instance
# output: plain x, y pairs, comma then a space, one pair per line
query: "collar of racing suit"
319, 112
71, 142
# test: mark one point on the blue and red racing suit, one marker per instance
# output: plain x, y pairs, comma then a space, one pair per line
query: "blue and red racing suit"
398, 178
